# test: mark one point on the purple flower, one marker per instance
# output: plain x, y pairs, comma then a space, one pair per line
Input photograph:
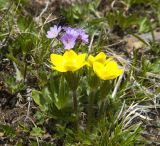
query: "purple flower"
71, 31
77, 33
68, 41
82, 35
53, 32
67, 29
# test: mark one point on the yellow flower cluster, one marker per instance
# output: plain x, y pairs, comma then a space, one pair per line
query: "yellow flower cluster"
105, 69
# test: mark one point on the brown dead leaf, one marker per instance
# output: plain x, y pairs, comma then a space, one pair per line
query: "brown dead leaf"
134, 43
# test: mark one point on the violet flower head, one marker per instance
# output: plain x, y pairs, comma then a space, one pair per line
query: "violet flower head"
67, 29
68, 41
53, 32
78, 33
71, 31
71, 35
82, 35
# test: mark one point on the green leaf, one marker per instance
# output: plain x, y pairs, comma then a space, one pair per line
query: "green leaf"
14, 86
41, 98
144, 25
40, 119
19, 144
36, 97
59, 92
26, 24
155, 67
7, 130
4, 3
62, 96
36, 131
111, 19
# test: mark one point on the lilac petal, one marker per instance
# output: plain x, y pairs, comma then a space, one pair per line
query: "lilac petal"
50, 34
53, 28
82, 35
59, 28
53, 32
72, 32
77, 33
69, 46
79, 30
67, 29
68, 41
84, 38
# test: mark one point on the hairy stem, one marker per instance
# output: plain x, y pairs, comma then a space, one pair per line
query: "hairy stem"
75, 103
75, 107
90, 110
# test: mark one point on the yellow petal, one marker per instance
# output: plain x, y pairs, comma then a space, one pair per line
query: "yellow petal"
77, 63
101, 57
70, 54
81, 60
107, 72
70, 67
70, 57
119, 72
112, 67
99, 70
56, 59
113, 70
90, 60
60, 69
108, 60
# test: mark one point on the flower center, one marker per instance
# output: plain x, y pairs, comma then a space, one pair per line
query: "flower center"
68, 42
54, 34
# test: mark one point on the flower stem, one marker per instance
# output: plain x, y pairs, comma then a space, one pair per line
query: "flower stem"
25, 67
73, 80
75, 103
75, 107
90, 110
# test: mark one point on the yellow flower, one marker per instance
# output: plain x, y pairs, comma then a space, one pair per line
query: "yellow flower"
101, 57
70, 61
108, 70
